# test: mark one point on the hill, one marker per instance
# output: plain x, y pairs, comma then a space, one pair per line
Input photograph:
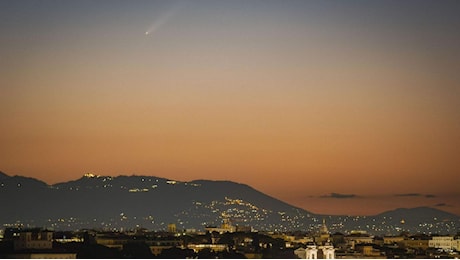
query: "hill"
95, 201
423, 220
144, 201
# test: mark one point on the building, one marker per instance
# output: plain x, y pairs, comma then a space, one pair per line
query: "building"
172, 228
114, 240
456, 244
246, 229
224, 228
292, 241
442, 242
368, 250
416, 242
158, 245
312, 251
37, 244
390, 240
213, 247
321, 247
42, 255
323, 234
356, 238
328, 250
34, 239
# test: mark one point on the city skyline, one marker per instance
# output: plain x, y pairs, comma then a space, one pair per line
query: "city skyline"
334, 107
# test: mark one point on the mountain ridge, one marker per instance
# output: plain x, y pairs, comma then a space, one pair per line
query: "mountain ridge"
153, 202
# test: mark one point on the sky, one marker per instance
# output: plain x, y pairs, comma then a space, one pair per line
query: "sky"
337, 107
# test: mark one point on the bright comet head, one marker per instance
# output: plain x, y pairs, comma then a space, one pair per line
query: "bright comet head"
146, 33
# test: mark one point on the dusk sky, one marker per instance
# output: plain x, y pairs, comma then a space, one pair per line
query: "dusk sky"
338, 107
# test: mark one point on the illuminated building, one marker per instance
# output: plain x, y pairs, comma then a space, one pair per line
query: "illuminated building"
311, 252
172, 228
367, 250
415, 243
157, 246
456, 244
34, 239
358, 237
38, 244
224, 228
322, 247
328, 250
387, 240
442, 242
213, 247
323, 234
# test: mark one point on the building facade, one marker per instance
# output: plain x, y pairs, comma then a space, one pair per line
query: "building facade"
34, 239
442, 242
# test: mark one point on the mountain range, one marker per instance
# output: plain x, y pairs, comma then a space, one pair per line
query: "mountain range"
95, 201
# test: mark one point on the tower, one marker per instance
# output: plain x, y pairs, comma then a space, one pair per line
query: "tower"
323, 229
311, 252
323, 234
172, 228
328, 250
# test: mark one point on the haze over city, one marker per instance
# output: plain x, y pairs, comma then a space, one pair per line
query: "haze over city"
335, 107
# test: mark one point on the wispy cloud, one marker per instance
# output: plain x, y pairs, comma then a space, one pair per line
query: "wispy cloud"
442, 205
409, 195
415, 195
334, 195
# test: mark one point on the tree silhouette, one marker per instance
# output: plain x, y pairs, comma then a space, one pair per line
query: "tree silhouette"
136, 250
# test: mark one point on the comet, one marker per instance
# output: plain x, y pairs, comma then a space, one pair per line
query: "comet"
162, 19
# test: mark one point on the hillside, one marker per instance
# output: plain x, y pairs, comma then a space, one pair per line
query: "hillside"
151, 202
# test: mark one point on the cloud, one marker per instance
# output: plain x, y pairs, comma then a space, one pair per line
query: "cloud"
442, 205
408, 195
415, 195
334, 195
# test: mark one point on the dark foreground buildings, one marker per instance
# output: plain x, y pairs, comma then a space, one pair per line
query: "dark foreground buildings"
223, 242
